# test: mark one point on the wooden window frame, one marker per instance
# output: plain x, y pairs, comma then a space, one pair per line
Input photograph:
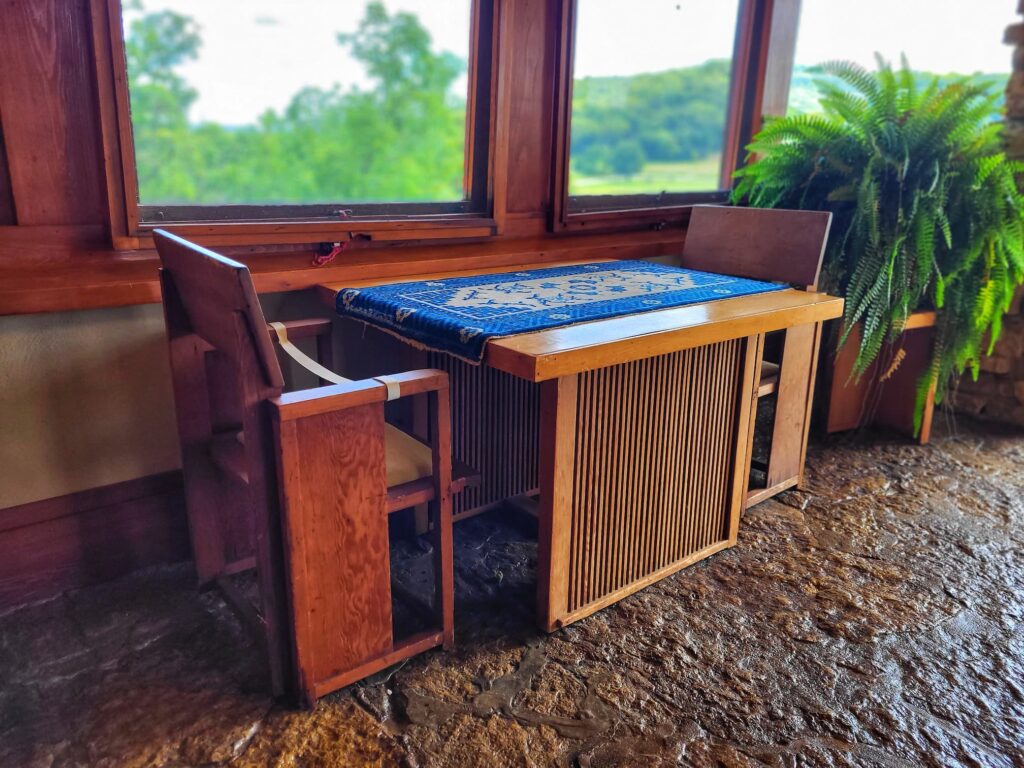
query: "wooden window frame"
747, 83
286, 224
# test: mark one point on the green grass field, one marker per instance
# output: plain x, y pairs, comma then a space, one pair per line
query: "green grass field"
696, 176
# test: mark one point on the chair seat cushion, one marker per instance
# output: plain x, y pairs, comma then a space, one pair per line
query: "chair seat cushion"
407, 458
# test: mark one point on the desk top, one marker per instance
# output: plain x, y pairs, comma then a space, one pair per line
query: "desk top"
585, 346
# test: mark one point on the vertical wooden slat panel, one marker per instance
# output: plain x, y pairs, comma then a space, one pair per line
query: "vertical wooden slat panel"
639, 478
697, 486
653, 469
680, 435
593, 553
618, 445
673, 371
495, 420
578, 486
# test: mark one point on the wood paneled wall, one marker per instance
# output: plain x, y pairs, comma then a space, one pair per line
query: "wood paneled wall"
6, 196
524, 146
50, 546
49, 112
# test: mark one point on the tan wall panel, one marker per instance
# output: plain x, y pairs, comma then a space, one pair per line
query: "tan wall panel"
85, 401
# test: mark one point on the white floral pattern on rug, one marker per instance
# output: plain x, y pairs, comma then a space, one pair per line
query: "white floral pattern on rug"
510, 297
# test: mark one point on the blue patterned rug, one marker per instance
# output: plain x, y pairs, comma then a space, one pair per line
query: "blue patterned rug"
459, 315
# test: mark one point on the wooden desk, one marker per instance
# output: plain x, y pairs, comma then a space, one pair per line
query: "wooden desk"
635, 430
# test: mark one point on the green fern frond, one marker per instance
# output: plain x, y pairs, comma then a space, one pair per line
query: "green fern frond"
859, 78
927, 211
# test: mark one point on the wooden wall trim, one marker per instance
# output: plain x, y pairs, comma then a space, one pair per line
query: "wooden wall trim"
48, 547
55, 269
7, 216
36, 512
50, 120
782, 41
523, 116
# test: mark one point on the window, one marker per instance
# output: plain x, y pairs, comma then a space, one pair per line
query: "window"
655, 101
851, 31
306, 110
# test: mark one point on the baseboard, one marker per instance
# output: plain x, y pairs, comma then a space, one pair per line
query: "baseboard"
48, 547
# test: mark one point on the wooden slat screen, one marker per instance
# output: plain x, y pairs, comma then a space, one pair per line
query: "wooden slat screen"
495, 422
634, 515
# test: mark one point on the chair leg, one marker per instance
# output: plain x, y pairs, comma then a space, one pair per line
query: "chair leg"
444, 579
421, 517
748, 456
441, 448
325, 352
792, 405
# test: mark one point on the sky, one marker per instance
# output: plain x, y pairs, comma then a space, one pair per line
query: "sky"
257, 53
941, 36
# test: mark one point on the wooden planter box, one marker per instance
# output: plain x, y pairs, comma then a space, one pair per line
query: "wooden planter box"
889, 403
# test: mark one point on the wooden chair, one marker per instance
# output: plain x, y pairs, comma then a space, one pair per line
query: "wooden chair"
299, 486
782, 246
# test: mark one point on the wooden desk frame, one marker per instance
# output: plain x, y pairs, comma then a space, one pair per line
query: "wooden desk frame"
617, 511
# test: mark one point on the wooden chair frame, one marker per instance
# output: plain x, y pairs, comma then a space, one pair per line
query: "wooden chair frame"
311, 428
784, 246
266, 488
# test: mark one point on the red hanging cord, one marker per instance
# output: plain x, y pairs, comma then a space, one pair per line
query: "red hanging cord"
326, 258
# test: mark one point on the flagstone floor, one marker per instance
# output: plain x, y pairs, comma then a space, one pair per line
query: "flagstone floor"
875, 619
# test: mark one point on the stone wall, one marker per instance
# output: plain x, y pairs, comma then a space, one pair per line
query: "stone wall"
998, 394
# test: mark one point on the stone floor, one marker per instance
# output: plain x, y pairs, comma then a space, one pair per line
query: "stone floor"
873, 619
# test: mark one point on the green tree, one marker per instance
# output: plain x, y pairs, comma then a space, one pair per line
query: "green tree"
401, 139
671, 117
628, 158
155, 45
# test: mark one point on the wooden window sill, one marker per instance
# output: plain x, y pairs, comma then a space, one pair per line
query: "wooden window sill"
54, 269
219, 233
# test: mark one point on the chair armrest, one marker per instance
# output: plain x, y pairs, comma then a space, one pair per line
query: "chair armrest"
304, 329
337, 397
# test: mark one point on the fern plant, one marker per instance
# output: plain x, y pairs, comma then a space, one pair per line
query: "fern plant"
926, 208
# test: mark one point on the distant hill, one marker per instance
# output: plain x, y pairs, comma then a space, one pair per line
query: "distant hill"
621, 125
803, 94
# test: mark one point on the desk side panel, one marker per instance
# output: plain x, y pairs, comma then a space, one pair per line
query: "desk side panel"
653, 471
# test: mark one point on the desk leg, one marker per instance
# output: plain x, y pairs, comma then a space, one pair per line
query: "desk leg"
642, 472
557, 448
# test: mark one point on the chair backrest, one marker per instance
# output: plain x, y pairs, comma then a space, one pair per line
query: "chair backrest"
224, 371
758, 243
213, 292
